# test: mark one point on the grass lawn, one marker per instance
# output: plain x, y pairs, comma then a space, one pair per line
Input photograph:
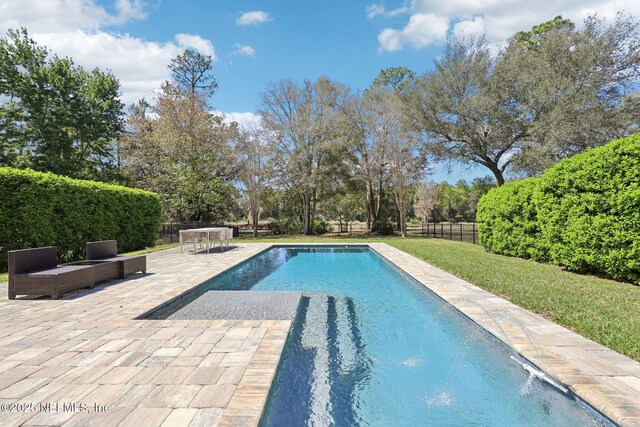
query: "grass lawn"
153, 249
602, 310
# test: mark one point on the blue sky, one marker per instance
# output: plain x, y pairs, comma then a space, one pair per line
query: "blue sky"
257, 42
334, 38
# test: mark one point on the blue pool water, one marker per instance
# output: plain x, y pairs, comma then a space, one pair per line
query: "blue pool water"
371, 346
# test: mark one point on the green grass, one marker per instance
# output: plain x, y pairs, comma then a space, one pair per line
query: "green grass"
153, 249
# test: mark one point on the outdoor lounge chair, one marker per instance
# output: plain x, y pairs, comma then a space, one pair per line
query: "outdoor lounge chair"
107, 250
36, 272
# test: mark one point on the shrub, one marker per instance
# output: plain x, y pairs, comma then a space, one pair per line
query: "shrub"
384, 227
42, 209
285, 226
589, 210
584, 213
320, 226
507, 219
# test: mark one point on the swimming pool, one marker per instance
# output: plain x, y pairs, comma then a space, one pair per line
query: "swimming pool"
371, 346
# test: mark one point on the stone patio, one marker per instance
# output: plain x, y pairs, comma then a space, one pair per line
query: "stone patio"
89, 349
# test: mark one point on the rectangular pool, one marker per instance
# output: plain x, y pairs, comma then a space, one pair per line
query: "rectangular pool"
372, 346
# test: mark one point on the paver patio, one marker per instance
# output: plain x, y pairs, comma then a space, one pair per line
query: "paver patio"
90, 349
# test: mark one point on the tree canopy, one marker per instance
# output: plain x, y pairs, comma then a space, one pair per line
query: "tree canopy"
191, 71
56, 116
175, 147
321, 150
551, 92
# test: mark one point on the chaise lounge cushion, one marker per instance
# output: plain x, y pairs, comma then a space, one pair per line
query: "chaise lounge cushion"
56, 271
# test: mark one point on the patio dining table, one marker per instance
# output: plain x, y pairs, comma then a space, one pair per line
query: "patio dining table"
216, 232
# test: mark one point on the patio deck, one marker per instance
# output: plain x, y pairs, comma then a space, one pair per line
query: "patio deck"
89, 349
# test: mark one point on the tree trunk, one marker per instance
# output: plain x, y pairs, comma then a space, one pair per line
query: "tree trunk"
312, 216
306, 214
255, 217
369, 196
495, 170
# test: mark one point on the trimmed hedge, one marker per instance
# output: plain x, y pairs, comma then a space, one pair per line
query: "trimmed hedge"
507, 219
583, 214
42, 209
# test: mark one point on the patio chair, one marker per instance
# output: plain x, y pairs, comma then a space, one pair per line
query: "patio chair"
36, 272
107, 250
229, 236
219, 236
190, 237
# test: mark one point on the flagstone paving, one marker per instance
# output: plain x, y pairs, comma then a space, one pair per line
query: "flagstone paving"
86, 359
65, 362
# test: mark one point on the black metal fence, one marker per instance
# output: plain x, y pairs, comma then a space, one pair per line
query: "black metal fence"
169, 233
463, 231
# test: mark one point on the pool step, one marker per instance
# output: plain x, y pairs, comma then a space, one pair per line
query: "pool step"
315, 337
330, 330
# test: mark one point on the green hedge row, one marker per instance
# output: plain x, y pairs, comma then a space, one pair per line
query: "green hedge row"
42, 209
583, 214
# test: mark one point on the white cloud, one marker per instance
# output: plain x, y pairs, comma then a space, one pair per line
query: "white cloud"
500, 19
130, 9
422, 29
475, 25
194, 41
253, 18
73, 28
140, 65
244, 50
65, 15
245, 120
376, 9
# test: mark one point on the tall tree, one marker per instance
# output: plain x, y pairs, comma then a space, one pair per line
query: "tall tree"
177, 148
56, 117
303, 120
191, 72
368, 159
252, 153
389, 129
547, 95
